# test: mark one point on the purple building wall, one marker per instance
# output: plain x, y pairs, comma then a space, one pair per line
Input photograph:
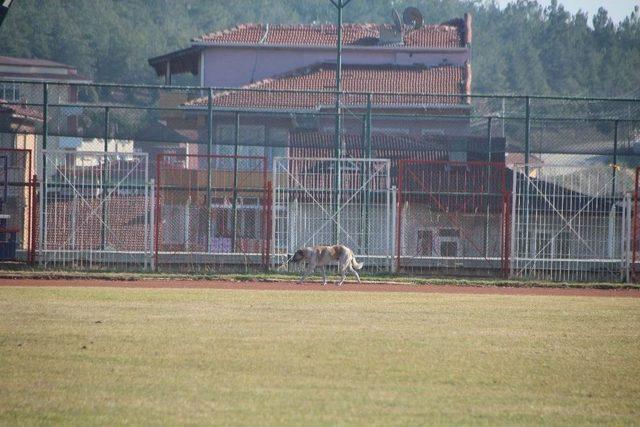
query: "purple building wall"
236, 66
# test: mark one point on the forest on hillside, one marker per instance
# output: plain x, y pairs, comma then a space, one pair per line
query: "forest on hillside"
523, 48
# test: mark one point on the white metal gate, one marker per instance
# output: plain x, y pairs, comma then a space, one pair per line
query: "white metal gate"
571, 222
324, 201
95, 210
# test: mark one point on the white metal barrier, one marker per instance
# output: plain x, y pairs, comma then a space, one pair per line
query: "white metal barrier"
95, 210
571, 223
326, 201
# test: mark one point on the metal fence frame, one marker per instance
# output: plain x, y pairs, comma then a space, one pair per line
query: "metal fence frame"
570, 225
457, 190
491, 125
27, 226
331, 201
263, 193
83, 202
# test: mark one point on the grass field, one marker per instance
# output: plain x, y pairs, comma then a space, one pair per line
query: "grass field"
167, 356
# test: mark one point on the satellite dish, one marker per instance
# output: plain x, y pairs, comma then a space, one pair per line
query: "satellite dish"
412, 17
396, 21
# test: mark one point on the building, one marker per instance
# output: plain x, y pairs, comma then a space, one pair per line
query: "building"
420, 79
20, 84
412, 61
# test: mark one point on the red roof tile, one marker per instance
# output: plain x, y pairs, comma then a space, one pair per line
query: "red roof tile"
20, 110
446, 35
401, 85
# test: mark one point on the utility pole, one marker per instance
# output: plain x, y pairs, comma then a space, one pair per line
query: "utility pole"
339, 148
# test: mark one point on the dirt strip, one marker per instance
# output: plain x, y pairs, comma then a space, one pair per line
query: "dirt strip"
348, 287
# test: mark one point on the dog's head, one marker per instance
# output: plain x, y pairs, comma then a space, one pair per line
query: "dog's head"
298, 256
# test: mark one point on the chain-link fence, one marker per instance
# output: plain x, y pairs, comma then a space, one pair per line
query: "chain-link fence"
327, 201
271, 123
452, 217
212, 212
571, 223
95, 211
17, 211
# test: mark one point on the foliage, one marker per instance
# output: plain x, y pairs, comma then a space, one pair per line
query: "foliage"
522, 48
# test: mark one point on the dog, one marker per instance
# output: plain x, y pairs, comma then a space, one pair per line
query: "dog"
321, 256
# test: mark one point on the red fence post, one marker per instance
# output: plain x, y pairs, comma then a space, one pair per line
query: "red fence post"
33, 223
156, 230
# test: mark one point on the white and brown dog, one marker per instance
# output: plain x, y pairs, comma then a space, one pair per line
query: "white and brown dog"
321, 256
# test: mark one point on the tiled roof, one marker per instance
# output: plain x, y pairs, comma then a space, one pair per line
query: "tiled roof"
401, 85
20, 110
446, 35
32, 62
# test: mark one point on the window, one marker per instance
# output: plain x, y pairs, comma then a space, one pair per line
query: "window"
457, 156
249, 134
247, 218
251, 143
278, 141
444, 242
425, 242
10, 92
449, 242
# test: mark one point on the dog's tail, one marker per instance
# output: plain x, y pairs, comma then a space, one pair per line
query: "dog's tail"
355, 264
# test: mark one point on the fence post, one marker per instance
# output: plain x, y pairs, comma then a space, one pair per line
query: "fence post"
33, 219
527, 131
636, 220
209, 153
41, 226
368, 155
628, 205
152, 207
527, 152
399, 215
234, 204
487, 207
394, 219
615, 159
45, 113
103, 225
513, 251
267, 225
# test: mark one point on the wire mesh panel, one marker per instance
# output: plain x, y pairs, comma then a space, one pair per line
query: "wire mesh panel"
95, 211
16, 205
451, 217
211, 212
635, 230
571, 222
327, 201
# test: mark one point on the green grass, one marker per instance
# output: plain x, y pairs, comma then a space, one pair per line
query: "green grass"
23, 272
87, 356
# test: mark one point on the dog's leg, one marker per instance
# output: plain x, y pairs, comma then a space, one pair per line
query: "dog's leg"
324, 275
310, 268
344, 276
351, 269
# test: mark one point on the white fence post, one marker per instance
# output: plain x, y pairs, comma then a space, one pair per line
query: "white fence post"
394, 228
151, 228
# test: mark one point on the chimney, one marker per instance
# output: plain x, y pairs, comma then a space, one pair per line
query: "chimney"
466, 38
